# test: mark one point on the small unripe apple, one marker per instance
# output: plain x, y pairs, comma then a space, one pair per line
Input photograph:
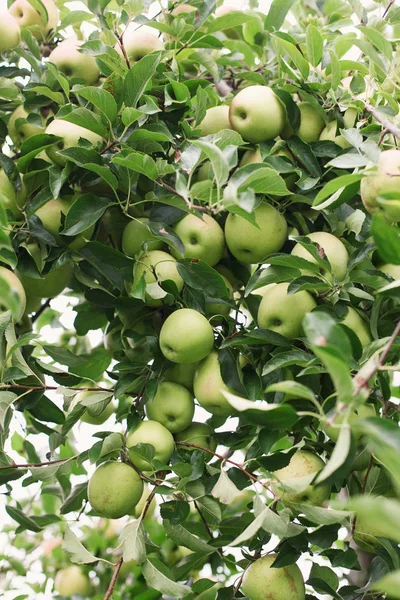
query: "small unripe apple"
334, 250
74, 64
49, 285
390, 269
10, 33
154, 433
12, 294
216, 119
354, 321
199, 434
257, 114
301, 464
186, 336
209, 386
72, 581
135, 233
172, 406
156, 266
114, 489
385, 181
21, 131
139, 42
50, 216
70, 134
284, 583
330, 134
202, 237
9, 198
311, 124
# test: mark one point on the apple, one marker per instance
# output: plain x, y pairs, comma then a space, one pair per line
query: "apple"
282, 313
21, 131
302, 464
172, 406
386, 180
12, 294
390, 269
182, 374
26, 15
365, 411
74, 64
350, 117
311, 124
135, 233
250, 157
233, 33
215, 309
202, 237
354, 321
182, 9
330, 134
50, 216
90, 417
282, 583
250, 243
51, 284
154, 433
334, 250
200, 434
70, 134
209, 386
10, 33
156, 266
186, 336
216, 119
139, 42
257, 114
9, 198
114, 489
72, 581
235, 272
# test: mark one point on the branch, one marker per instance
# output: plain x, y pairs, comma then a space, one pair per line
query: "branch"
43, 464
113, 581
52, 387
388, 125
206, 525
126, 57
389, 6
169, 188
41, 310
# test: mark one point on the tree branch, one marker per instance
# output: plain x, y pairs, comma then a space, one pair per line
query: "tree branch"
113, 581
43, 464
41, 310
389, 6
386, 124
169, 188
52, 387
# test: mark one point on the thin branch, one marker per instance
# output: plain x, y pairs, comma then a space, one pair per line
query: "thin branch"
113, 581
42, 464
41, 310
52, 387
123, 49
386, 124
169, 188
389, 6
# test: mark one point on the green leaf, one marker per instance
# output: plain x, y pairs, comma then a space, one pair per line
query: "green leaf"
304, 155
336, 186
84, 213
133, 542
338, 456
262, 180
229, 21
76, 551
91, 161
138, 162
6, 400
21, 518
273, 416
284, 46
154, 573
183, 537
85, 118
225, 490
277, 14
384, 441
315, 45
200, 276
138, 78
387, 239
217, 159
294, 389
100, 98
383, 512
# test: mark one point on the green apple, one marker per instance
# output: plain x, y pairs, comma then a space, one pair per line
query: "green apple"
26, 15
283, 583
72, 581
139, 43
390, 269
114, 489
186, 336
182, 374
302, 464
50, 216
235, 272
199, 434
10, 32
386, 180
233, 33
257, 114
330, 134
51, 284
89, 416
282, 313
202, 237
350, 117
156, 266
70, 134
253, 243
354, 321
216, 119
214, 309
334, 250
9, 198
19, 131
311, 124
182, 9
72, 63
365, 411
250, 157
209, 386
12, 294
154, 433
172, 406
135, 234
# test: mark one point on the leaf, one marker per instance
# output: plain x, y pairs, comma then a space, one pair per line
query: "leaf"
315, 45
6, 400
274, 416
74, 500
277, 14
230, 20
200, 276
133, 542
262, 180
338, 456
138, 162
251, 530
138, 77
217, 159
295, 389
225, 490
75, 550
84, 213
389, 584
384, 441
100, 98
183, 537
23, 520
383, 512
284, 45
85, 118
323, 516
335, 185
304, 154
387, 239
156, 579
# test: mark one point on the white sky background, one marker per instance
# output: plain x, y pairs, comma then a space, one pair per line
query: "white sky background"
82, 431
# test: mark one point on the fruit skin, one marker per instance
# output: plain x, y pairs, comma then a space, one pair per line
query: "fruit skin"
139, 43
200, 434
329, 133
10, 33
250, 157
26, 15
257, 114
282, 313
260, 581
250, 244
354, 321
208, 386
334, 250
390, 269
172, 406
71, 134
74, 64
50, 215
216, 119
114, 489
17, 289
87, 417
349, 117
301, 464
311, 124
365, 411
150, 432
217, 308
51, 284
156, 266
9, 199
386, 180
26, 130
135, 233
182, 374
71, 581
203, 238
186, 336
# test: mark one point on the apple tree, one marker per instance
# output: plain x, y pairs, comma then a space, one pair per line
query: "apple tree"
199, 300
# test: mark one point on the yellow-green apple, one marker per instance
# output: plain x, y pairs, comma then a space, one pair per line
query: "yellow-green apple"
10, 33
135, 233
89, 416
356, 323
172, 406
209, 386
390, 269
233, 33
74, 64
51, 284
50, 216
284, 313
217, 308
139, 42
72, 581
70, 134
12, 294
182, 9
333, 249
250, 157
186, 336
182, 374
330, 134
9, 198
365, 411
156, 266
19, 131
154, 433
257, 114
26, 15
386, 180
199, 434
349, 117
302, 464
283, 583
311, 123
216, 119
252, 243
202, 237
114, 489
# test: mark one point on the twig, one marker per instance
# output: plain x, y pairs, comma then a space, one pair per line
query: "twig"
42, 464
381, 137
169, 188
388, 125
364, 487
123, 50
206, 525
52, 387
40, 310
113, 581
389, 6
